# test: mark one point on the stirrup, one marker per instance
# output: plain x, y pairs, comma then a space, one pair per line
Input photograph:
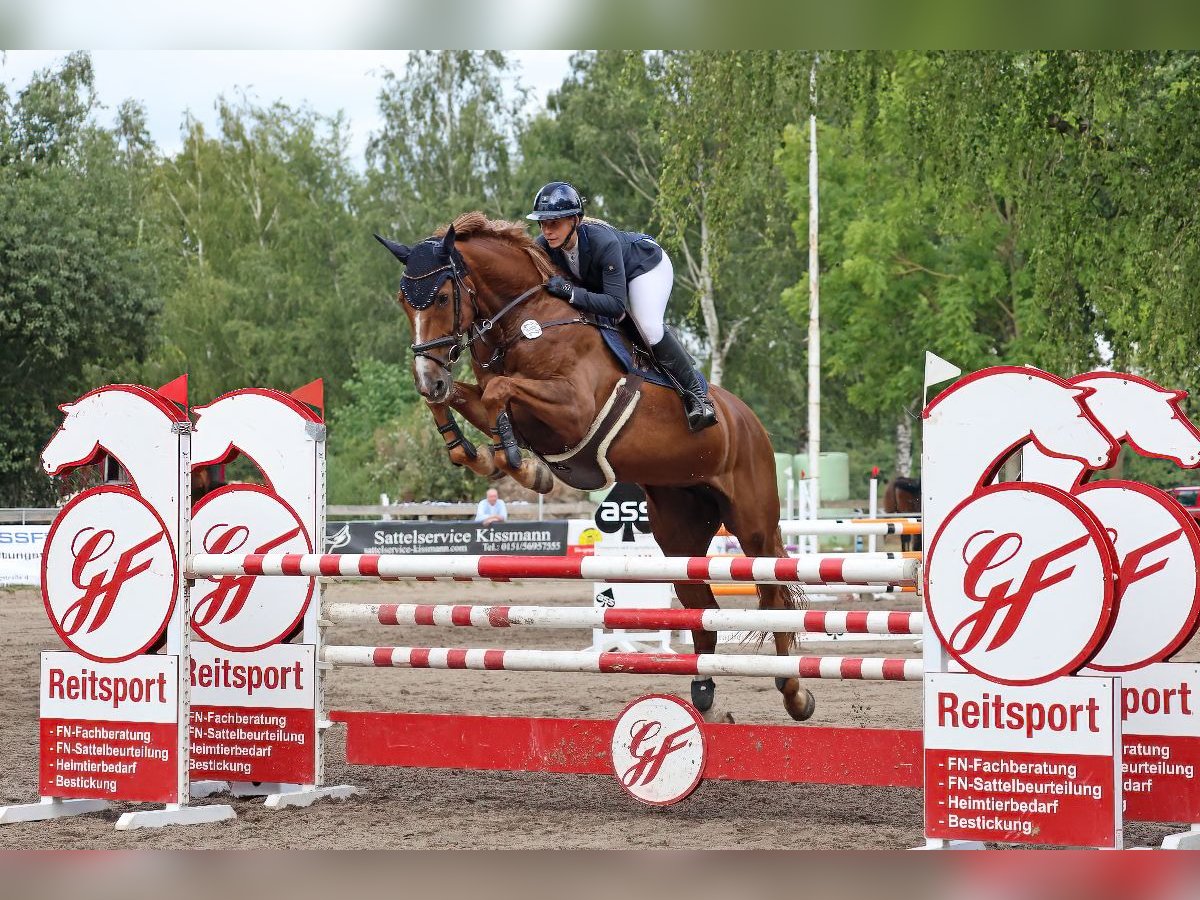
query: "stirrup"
699, 412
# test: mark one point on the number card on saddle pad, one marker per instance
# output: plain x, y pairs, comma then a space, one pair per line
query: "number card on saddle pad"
624, 523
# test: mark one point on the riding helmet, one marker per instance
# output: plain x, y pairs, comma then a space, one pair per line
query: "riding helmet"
557, 200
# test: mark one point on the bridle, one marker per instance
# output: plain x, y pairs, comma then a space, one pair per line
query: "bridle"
478, 328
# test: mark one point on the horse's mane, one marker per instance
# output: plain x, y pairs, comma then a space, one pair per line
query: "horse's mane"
476, 224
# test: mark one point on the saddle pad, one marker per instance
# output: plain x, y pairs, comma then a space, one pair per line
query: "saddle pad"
618, 343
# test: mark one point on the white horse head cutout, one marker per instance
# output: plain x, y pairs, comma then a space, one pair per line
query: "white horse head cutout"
980, 420
135, 425
272, 429
1134, 411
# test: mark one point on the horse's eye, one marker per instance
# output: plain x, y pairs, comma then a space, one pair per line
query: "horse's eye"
443, 299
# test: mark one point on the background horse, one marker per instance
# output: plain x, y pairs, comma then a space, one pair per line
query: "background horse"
903, 496
545, 379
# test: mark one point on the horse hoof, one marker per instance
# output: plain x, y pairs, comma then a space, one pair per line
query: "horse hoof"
718, 717
801, 705
703, 694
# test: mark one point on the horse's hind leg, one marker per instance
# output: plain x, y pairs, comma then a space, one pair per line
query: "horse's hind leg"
764, 539
684, 521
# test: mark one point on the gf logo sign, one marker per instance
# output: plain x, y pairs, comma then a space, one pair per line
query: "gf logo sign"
109, 574
242, 612
1020, 583
658, 749
1001, 598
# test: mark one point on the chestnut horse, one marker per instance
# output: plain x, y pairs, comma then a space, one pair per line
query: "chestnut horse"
477, 287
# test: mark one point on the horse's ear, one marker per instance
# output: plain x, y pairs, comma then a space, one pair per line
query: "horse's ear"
448, 241
400, 251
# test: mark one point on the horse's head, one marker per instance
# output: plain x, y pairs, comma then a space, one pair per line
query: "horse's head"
73, 444
432, 296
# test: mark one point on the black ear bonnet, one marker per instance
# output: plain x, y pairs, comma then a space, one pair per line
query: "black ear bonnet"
428, 268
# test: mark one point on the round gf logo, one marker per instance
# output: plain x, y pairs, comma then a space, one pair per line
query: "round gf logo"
1019, 583
109, 574
658, 749
242, 612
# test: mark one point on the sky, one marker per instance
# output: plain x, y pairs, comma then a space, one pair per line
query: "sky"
172, 83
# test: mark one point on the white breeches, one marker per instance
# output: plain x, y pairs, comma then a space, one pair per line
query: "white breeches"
648, 296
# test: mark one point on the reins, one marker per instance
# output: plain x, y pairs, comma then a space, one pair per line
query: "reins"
478, 330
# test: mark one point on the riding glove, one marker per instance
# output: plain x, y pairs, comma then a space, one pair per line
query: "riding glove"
560, 287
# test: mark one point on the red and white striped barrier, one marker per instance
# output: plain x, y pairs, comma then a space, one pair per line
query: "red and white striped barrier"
864, 527
817, 590
842, 668
829, 527
783, 620
696, 569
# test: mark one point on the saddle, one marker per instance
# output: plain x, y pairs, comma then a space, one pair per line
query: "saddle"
627, 347
585, 466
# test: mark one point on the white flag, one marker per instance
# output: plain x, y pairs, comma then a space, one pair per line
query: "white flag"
937, 370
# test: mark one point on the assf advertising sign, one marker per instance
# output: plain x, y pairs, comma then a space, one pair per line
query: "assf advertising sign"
21, 553
1019, 583
623, 511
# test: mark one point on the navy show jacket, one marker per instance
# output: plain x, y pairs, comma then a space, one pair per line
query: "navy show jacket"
608, 260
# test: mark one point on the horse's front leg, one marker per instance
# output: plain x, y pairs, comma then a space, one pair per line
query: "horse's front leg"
549, 401
466, 398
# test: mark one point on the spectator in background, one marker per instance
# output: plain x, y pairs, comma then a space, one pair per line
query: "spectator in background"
491, 509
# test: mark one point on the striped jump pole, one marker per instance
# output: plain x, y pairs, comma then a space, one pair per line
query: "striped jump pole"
850, 569
783, 620
828, 527
839, 554
864, 527
842, 668
817, 590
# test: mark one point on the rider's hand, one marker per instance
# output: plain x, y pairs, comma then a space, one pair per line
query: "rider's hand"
560, 287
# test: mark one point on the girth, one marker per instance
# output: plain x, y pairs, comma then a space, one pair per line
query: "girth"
586, 465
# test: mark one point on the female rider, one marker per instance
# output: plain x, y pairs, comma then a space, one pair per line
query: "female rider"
613, 270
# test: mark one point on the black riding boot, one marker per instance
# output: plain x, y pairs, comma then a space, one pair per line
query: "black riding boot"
677, 363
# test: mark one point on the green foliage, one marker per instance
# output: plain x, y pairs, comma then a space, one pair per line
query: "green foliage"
78, 279
446, 143
1023, 207
380, 395
412, 458
991, 206
275, 281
